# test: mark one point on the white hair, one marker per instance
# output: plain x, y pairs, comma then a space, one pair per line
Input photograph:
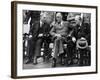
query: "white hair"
77, 17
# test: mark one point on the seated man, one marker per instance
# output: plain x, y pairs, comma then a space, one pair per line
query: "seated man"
40, 30
82, 34
59, 32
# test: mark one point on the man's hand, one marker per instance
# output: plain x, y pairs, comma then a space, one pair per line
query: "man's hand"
73, 39
40, 35
69, 35
30, 36
57, 35
25, 22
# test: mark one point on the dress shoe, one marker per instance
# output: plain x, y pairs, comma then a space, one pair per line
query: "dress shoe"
35, 61
62, 61
44, 59
28, 61
53, 62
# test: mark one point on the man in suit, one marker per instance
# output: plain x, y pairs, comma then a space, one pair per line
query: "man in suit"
82, 31
59, 32
39, 30
35, 16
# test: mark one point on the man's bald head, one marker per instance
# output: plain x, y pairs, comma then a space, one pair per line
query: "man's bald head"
59, 17
43, 17
78, 19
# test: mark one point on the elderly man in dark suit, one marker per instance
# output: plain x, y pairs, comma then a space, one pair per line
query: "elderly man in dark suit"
82, 32
59, 32
82, 29
39, 30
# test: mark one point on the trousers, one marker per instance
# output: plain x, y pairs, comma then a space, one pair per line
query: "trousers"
58, 46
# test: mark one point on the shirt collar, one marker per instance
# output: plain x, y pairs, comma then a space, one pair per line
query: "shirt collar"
61, 22
41, 23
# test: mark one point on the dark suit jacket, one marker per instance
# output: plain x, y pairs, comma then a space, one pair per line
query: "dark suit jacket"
35, 30
83, 31
35, 16
36, 40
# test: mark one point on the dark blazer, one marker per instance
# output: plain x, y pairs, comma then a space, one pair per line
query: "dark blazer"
36, 40
83, 31
34, 15
35, 30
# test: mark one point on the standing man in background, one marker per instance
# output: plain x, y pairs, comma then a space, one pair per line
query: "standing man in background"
33, 16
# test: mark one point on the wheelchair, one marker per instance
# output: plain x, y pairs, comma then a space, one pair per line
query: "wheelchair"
45, 49
71, 56
61, 57
69, 51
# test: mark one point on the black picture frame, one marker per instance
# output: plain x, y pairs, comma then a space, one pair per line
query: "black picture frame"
14, 37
